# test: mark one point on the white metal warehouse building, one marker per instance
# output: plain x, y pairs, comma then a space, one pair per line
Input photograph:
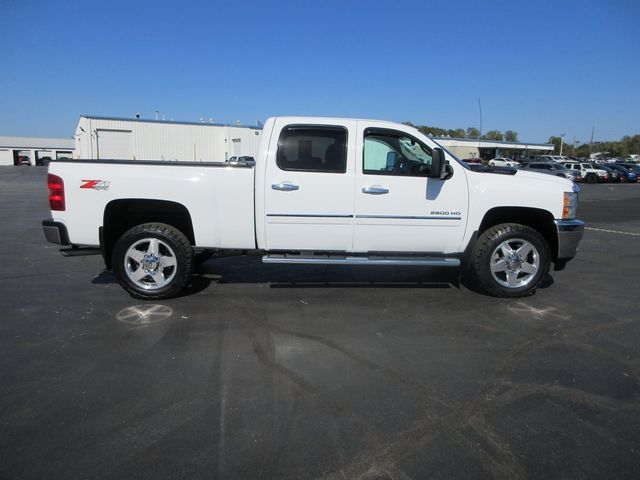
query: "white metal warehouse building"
36, 149
141, 139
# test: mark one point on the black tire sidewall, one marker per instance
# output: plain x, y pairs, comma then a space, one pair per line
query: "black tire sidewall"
174, 239
490, 240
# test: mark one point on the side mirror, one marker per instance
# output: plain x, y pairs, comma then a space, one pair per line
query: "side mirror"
438, 164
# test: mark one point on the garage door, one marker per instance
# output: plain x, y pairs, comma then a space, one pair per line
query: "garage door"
115, 144
6, 157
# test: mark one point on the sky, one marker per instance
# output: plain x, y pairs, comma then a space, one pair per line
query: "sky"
540, 67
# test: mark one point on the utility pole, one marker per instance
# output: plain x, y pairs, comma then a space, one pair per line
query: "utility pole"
480, 133
591, 142
561, 143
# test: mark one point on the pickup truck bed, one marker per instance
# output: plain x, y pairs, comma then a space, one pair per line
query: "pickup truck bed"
122, 188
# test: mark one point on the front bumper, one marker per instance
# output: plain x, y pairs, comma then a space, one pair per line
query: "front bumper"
569, 236
55, 232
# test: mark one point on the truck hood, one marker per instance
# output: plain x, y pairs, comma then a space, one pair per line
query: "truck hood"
536, 176
518, 176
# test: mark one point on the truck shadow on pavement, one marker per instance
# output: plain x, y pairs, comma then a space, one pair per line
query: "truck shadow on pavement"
251, 270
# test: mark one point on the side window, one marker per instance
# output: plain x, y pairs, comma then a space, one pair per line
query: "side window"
312, 149
387, 152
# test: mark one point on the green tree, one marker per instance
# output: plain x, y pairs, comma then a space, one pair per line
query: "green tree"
432, 131
456, 133
473, 132
582, 151
493, 135
511, 136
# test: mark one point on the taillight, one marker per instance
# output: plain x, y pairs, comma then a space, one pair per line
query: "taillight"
56, 193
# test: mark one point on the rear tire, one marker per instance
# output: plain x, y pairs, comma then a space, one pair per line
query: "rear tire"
153, 261
591, 178
510, 260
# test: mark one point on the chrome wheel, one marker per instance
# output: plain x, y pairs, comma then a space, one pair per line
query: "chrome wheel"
515, 263
150, 263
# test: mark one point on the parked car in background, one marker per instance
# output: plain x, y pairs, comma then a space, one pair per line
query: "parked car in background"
553, 168
588, 173
634, 167
614, 176
503, 162
626, 175
551, 158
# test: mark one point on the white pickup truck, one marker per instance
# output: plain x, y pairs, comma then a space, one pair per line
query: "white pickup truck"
587, 171
322, 191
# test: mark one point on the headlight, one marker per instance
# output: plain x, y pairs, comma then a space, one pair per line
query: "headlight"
569, 205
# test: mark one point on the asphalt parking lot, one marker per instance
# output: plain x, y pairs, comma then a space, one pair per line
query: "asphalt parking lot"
318, 372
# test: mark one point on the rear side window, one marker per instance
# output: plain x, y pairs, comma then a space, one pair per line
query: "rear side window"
313, 149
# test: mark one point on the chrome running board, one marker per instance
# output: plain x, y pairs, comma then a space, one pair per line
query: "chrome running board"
374, 260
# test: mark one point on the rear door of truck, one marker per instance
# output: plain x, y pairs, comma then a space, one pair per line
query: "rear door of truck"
309, 197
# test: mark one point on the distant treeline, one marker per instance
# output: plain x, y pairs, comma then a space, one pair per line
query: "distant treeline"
470, 133
626, 146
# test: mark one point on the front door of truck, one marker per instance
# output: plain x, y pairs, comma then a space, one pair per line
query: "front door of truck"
309, 202
398, 208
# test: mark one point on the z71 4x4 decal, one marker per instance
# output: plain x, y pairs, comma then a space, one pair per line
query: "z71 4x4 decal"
96, 184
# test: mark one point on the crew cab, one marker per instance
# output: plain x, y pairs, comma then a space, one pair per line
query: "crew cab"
322, 191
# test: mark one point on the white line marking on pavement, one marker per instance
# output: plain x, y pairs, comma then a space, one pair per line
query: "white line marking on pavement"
612, 231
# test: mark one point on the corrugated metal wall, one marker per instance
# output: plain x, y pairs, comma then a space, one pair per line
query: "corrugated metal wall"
166, 140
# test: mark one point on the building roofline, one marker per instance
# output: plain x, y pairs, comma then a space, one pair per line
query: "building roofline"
22, 142
170, 122
486, 140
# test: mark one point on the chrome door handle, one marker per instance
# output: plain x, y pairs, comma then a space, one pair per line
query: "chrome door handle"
284, 186
375, 190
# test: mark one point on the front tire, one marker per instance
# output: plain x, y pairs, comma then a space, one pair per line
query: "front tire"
591, 178
153, 261
510, 260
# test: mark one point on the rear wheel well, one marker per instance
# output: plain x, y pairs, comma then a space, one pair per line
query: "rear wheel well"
540, 220
124, 214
